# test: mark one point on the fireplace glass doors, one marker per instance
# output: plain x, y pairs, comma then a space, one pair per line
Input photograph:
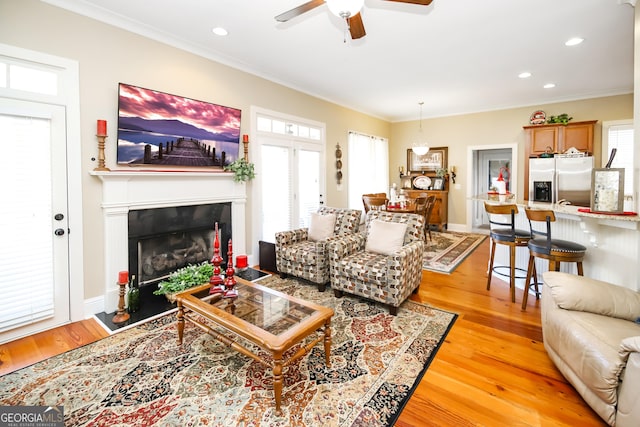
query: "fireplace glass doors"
165, 239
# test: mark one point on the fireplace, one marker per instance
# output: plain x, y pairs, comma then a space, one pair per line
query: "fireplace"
136, 192
162, 240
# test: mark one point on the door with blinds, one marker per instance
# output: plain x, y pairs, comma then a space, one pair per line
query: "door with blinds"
34, 264
292, 183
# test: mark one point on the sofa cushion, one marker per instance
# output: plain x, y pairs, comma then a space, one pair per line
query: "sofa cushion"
321, 226
580, 293
302, 252
385, 237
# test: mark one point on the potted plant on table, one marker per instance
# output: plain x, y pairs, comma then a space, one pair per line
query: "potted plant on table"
184, 278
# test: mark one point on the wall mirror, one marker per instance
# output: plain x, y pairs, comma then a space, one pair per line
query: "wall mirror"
607, 190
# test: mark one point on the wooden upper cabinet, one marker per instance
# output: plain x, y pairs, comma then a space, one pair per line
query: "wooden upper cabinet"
558, 138
578, 135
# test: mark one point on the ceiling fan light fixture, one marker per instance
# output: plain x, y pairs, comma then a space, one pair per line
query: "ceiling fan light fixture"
345, 8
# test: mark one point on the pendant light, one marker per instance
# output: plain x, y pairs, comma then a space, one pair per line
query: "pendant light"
420, 146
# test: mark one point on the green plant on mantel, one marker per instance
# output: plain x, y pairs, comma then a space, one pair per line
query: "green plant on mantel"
242, 170
441, 172
185, 278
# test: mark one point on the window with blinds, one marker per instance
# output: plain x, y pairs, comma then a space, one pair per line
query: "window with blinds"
368, 161
619, 135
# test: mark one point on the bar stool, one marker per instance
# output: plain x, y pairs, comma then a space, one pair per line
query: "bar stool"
545, 247
510, 236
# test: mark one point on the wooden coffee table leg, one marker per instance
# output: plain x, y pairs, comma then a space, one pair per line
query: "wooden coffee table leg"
277, 380
180, 316
327, 342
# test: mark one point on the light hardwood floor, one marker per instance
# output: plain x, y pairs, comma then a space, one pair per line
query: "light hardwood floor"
492, 369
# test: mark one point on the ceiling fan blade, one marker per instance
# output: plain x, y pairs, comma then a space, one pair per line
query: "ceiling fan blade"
356, 27
296, 11
420, 2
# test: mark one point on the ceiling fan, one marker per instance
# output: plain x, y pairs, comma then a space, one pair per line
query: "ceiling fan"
349, 10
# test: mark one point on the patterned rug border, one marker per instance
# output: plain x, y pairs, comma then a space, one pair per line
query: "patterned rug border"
169, 318
442, 261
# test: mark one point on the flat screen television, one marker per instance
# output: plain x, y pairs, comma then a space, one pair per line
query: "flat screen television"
156, 128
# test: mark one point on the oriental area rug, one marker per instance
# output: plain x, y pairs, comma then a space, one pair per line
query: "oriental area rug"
141, 377
448, 249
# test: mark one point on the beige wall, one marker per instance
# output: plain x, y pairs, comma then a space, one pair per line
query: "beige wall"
495, 127
108, 55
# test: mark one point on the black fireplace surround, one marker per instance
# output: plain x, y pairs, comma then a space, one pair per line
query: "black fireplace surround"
162, 240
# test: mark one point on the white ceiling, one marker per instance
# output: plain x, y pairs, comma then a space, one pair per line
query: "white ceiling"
458, 56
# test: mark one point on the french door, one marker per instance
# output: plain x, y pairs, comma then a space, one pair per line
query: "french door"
292, 182
34, 249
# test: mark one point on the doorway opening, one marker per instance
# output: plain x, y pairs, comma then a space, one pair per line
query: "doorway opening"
486, 163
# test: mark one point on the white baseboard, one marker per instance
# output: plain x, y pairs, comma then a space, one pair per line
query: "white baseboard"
93, 306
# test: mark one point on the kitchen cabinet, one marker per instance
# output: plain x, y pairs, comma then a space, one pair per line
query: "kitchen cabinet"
559, 138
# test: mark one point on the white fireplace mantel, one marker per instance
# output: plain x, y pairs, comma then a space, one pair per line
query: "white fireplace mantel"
125, 190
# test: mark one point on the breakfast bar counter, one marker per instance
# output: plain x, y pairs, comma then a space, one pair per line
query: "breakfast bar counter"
612, 241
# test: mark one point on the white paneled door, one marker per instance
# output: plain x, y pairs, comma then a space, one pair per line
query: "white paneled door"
292, 183
34, 249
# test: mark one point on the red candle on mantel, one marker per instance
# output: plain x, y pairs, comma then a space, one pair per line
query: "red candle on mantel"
241, 261
123, 277
102, 128
245, 138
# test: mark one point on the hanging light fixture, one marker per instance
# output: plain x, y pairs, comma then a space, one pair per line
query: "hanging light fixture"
420, 146
345, 9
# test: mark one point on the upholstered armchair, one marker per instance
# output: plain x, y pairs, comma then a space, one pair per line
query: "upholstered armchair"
303, 252
384, 263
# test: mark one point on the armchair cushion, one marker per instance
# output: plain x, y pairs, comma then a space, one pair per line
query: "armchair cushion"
385, 237
321, 226
595, 296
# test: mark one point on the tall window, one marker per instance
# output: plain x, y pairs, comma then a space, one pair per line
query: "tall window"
619, 135
368, 167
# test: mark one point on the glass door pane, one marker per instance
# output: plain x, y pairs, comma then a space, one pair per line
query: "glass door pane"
309, 192
275, 176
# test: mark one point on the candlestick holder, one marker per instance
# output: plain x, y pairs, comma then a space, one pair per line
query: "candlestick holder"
216, 281
101, 166
246, 149
121, 316
230, 280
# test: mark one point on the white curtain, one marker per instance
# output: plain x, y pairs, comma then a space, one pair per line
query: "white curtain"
368, 164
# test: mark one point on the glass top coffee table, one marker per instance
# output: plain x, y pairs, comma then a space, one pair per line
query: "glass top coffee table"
267, 318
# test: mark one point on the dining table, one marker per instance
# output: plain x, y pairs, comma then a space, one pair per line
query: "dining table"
402, 206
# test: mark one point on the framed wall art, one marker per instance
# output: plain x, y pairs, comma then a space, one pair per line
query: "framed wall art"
438, 183
157, 128
607, 190
436, 158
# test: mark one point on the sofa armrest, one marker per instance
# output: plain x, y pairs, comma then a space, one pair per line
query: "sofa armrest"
284, 238
629, 345
345, 245
628, 408
411, 253
580, 293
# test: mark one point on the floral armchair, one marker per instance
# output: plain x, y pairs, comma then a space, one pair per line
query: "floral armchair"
384, 263
299, 255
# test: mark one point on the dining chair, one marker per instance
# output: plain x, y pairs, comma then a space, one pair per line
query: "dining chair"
431, 203
375, 201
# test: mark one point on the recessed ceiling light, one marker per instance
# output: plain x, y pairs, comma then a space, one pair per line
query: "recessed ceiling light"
219, 31
549, 85
524, 75
574, 41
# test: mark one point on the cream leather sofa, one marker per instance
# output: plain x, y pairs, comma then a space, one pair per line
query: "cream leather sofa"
591, 333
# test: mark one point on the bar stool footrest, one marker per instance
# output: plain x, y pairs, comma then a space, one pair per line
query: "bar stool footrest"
508, 273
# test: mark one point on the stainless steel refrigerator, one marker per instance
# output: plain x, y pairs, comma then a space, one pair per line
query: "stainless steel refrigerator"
560, 178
